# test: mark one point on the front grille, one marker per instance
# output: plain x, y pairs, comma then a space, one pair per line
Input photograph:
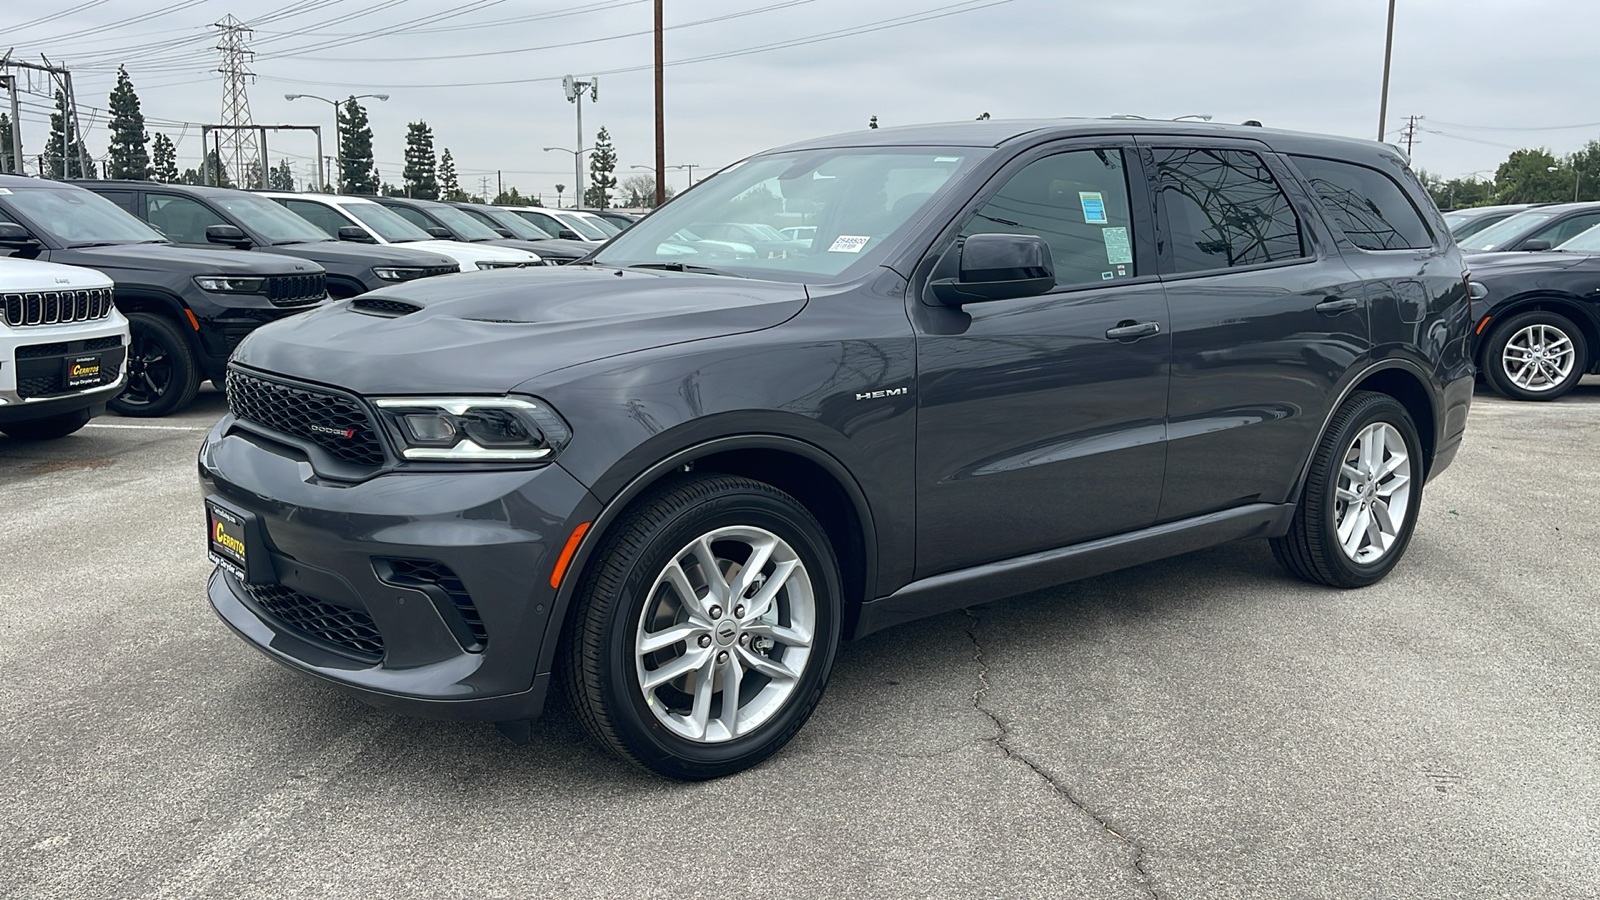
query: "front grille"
295, 290
425, 574
350, 630
56, 307
382, 307
43, 385
338, 424
33, 351
39, 366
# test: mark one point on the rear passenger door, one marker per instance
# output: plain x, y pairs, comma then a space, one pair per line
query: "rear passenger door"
1266, 320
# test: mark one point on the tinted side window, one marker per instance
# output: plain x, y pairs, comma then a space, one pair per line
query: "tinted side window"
123, 199
1224, 210
317, 214
414, 217
182, 220
1077, 202
1566, 229
1371, 210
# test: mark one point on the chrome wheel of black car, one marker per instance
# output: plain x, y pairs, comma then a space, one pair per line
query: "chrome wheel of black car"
1535, 355
161, 369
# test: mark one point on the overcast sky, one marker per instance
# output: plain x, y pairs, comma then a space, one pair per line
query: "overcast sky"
1492, 75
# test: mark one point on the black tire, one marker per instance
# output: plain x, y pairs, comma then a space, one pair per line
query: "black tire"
48, 428
163, 374
1312, 550
599, 650
1496, 369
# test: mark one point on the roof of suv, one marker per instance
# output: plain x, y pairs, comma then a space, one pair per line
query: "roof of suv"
203, 190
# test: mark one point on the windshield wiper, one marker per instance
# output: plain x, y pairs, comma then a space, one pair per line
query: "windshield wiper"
684, 267
107, 243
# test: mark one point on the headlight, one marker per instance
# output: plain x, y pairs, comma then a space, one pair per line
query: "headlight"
398, 273
505, 263
229, 284
474, 429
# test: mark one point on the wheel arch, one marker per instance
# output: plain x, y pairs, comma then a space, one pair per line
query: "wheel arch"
161, 303
1405, 384
814, 477
1565, 304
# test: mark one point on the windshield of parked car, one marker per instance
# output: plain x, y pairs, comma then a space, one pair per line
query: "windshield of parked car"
270, 220
1583, 242
861, 201
518, 226
1503, 232
77, 217
606, 226
469, 228
386, 223
582, 226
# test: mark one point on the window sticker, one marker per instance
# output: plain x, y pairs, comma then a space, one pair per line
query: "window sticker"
849, 243
1106, 276
1118, 250
947, 159
5, 190
1094, 207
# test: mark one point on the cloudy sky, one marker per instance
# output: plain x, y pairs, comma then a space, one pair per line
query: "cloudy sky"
1487, 75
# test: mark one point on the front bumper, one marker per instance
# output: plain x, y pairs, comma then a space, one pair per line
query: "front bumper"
340, 599
31, 360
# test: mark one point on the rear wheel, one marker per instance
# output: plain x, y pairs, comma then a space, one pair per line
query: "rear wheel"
48, 428
163, 374
1361, 496
706, 629
1535, 355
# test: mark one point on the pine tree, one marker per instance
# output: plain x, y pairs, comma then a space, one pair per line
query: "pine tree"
281, 176
64, 151
602, 172
128, 157
357, 171
215, 172
6, 161
449, 187
420, 175
165, 167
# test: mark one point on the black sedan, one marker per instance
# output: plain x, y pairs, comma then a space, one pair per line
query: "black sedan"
1465, 223
1539, 228
1538, 318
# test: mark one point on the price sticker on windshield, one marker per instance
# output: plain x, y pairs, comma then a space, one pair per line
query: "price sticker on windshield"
849, 243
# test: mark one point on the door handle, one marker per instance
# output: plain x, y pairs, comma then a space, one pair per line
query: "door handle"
1129, 330
1338, 305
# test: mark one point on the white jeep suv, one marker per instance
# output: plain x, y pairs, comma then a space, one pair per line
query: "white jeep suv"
375, 223
62, 348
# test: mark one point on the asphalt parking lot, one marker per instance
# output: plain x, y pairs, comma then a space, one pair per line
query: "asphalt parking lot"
1202, 727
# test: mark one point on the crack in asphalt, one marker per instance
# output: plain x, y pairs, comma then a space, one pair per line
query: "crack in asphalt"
1002, 740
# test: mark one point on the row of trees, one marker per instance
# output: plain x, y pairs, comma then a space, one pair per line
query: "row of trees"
1526, 176
133, 154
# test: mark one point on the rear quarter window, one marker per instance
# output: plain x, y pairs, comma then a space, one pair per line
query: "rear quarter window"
1367, 205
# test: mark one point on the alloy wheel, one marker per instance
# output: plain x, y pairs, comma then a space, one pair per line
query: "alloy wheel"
1538, 357
1373, 496
150, 370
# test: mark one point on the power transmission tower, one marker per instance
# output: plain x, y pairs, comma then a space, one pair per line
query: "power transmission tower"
238, 147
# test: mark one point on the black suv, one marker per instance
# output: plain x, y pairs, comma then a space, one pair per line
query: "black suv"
444, 221
187, 309
221, 217
1011, 354
507, 224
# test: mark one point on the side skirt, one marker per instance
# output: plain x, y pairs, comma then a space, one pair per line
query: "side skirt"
1021, 574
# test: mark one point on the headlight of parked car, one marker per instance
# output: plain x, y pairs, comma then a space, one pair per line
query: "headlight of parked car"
398, 273
229, 284
474, 429
504, 263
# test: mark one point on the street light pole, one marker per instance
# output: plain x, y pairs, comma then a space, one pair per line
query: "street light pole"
1388, 51
577, 166
338, 153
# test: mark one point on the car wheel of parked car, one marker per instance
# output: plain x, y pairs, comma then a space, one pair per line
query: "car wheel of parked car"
1536, 355
1361, 496
706, 628
162, 372
48, 428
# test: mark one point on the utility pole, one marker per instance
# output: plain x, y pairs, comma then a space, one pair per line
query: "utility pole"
499, 182
483, 188
72, 131
237, 144
85, 166
575, 90
1388, 52
10, 82
661, 117
1411, 132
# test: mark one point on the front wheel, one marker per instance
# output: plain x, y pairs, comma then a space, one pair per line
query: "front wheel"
706, 628
1361, 496
163, 374
1535, 355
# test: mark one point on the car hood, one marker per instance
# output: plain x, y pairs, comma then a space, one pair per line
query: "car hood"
351, 253
491, 331
195, 261
1498, 263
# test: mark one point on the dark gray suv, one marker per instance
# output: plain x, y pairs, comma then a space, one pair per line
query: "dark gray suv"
673, 477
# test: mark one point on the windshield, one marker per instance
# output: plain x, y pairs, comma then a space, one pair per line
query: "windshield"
859, 201
77, 217
1584, 242
517, 225
582, 226
386, 223
606, 226
462, 224
1504, 232
270, 220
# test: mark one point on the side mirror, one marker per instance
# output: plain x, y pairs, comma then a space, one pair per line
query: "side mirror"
14, 235
994, 267
567, 234
229, 235
1535, 244
442, 234
355, 234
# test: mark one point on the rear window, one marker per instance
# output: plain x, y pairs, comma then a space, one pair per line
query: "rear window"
1367, 205
1224, 210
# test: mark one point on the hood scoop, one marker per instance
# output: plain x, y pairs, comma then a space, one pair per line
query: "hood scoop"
379, 306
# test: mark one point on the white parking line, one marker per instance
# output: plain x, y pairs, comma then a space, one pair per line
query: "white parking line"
152, 427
